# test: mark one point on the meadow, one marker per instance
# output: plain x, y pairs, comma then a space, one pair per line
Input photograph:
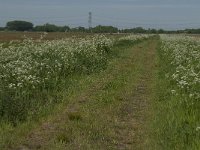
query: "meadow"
59, 85
177, 107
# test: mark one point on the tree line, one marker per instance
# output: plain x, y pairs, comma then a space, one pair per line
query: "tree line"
28, 26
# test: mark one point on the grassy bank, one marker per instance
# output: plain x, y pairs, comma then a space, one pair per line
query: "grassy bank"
82, 100
176, 111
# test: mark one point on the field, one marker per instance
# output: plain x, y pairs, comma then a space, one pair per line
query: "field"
19, 36
92, 91
8, 36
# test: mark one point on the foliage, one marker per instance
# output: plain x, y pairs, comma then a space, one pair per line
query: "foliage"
30, 69
24, 26
142, 30
19, 25
184, 56
2, 28
79, 29
177, 110
82, 99
104, 29
134, 37
51, 28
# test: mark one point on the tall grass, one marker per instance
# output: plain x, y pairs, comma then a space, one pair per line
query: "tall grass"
177, 107
31, 69
33, 72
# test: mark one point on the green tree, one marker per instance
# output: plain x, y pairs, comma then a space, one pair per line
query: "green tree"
64, 29
2, 28
19, 25
104, 29
51, 28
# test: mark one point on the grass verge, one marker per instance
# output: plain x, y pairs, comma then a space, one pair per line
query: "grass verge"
175, 122
85, 105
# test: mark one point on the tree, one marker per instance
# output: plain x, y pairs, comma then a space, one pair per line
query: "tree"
160, 31
135, 30
2, 28
64, 29
104, 29
19, 25
51, 28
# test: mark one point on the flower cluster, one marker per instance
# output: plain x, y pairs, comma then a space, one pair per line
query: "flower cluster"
31, 64
183, 54
135, 37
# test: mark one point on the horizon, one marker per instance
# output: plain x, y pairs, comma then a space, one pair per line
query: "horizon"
167, 15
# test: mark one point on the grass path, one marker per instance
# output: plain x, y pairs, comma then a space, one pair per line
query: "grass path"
110, 111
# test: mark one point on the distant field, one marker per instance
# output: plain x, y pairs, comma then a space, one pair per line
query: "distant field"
8, 36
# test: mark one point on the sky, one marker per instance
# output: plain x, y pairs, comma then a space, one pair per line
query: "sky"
166, 14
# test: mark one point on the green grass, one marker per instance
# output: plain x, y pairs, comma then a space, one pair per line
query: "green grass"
175, 122
103, 109
31, 82
85, 98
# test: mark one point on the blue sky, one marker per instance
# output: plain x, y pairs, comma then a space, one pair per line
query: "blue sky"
167, 14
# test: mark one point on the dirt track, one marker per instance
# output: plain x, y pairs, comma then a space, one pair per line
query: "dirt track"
112, 113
